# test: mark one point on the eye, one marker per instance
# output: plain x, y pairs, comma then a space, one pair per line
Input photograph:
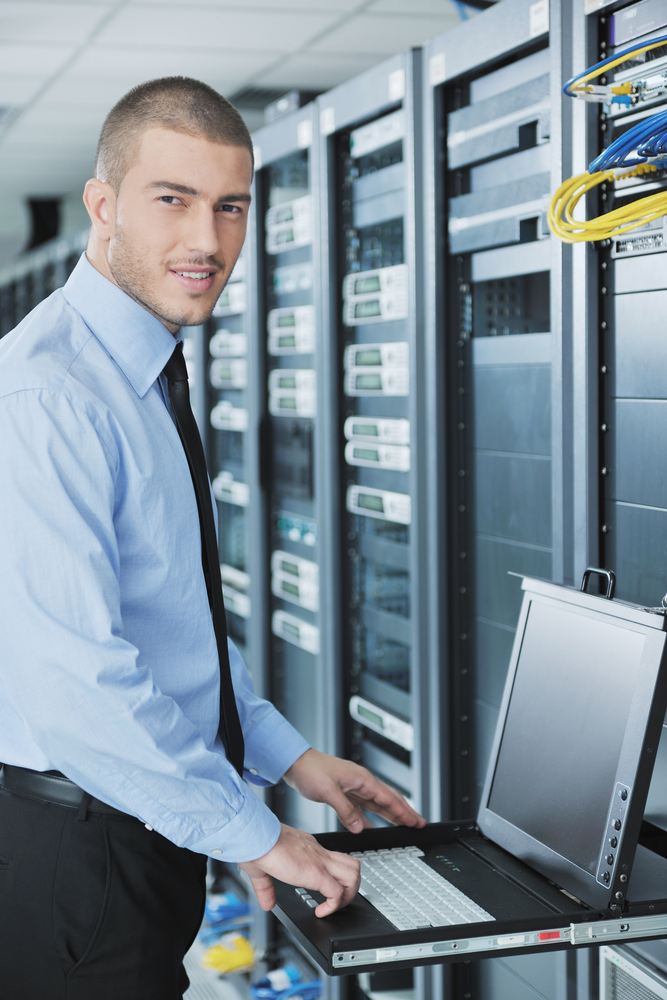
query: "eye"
232, 209
170, 199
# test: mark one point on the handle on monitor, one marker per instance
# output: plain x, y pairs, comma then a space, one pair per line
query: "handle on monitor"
607, 573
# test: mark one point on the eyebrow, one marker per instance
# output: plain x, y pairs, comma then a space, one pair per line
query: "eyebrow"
183, 189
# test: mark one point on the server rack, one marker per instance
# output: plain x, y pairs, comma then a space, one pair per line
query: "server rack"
372, 459
33, 276
371, 258
494, 143
285, 249
620, 387
227, 427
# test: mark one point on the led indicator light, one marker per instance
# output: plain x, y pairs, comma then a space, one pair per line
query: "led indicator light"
548, 936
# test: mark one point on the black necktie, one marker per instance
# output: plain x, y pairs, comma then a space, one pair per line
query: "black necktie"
179, 395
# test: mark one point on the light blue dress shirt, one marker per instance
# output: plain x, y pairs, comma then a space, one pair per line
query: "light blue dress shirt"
108, 662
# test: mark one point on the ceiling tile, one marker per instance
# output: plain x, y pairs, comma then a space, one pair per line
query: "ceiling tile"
435, 7
334, 6
63, 114
52, 134
32, 21
384, 33
33, 59
137, 64
16, 89
44, 155
316, 71
200, 27
86, 91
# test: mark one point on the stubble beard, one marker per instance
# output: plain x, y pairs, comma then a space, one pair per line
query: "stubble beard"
132, 274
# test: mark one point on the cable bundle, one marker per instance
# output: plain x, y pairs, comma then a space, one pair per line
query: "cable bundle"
615, 223
644, 141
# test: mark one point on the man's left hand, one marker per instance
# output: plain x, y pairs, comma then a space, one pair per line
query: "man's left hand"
349, 788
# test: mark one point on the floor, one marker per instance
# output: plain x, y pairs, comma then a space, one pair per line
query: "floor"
207, 984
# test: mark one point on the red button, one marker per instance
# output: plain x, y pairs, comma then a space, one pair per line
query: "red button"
548, 936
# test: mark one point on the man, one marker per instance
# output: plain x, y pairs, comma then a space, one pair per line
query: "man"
116, 783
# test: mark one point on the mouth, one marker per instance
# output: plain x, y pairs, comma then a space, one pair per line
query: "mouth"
194, 279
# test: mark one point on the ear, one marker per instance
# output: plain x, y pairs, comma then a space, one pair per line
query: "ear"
100, 201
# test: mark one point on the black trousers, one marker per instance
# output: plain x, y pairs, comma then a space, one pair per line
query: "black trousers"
92, 906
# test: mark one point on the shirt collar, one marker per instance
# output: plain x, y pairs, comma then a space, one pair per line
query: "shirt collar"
138, 342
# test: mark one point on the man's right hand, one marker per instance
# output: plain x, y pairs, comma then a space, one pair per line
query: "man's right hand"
299, 860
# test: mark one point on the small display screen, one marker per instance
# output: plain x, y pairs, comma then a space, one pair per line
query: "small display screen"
556, 767
371, 307
368, 501
369, 357
367, 454
289, 588
287, 236
365, 430
283, 215
287, 382
288, 403
289, 567
287, 319
287, 340
365, 285
373, 717
292, 630
369, 381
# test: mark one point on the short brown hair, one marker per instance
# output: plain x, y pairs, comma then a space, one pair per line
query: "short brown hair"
174, 102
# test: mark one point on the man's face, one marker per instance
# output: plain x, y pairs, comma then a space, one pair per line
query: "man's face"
180, 221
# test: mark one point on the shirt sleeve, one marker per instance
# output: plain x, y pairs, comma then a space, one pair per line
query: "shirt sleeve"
272, 744
68, 675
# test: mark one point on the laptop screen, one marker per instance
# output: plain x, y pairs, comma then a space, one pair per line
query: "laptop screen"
565, 726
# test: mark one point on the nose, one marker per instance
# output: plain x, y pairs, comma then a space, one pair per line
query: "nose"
202, 232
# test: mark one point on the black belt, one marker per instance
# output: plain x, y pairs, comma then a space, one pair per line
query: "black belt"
51, 787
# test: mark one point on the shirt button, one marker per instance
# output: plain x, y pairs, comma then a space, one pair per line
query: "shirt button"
216, 852
253, 770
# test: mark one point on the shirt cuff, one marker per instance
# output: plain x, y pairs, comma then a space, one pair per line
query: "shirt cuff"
268, 760
252, 832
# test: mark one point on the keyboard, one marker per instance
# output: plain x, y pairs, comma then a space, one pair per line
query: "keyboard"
410, 894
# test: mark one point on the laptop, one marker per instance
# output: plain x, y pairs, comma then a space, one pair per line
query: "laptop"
559, 854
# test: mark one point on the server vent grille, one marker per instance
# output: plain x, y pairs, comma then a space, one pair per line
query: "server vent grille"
625, 987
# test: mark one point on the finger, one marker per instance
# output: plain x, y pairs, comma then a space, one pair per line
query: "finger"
341, 883
264, 890
347, 869
348, 813
388, 803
